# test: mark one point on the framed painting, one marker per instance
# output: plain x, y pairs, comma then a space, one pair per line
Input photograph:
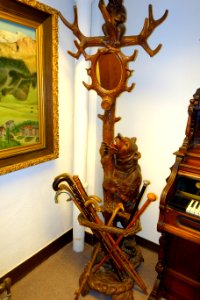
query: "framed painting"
28, 84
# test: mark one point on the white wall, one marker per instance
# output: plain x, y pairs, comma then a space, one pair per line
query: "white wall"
29, 217
156, 110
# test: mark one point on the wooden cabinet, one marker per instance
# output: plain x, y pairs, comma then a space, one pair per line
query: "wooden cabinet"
178, 264
179, 278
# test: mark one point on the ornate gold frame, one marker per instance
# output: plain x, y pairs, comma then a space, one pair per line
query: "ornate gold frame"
44, 20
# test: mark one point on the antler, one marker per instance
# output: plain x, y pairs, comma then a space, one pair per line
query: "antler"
84, 41
149, 25
77, 32
100, 41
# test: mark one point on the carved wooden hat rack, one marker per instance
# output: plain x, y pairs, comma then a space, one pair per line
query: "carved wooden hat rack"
110, 48
109, 73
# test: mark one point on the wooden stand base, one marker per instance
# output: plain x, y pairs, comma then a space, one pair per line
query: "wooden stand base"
106, 282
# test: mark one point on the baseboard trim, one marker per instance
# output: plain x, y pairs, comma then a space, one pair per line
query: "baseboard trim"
22, 270
91, 240
146, 243
27, 266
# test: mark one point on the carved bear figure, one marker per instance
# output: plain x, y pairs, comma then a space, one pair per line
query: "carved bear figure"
122, 174
117, 13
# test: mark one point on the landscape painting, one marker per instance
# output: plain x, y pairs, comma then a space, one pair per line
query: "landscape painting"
29, 131
19, 107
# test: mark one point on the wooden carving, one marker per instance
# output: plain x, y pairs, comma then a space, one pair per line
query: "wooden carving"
141, 39
122, 174
111, 269
115, 18
108, 82
191, 136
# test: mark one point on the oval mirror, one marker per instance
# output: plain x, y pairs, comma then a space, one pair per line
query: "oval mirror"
108, 71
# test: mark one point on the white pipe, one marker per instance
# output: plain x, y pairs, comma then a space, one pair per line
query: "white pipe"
81, 119
93, 157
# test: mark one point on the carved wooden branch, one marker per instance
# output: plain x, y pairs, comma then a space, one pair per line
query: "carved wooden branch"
85, 42
104, 11
100, 41
149, 25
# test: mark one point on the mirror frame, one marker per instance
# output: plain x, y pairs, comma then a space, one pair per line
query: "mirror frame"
109, 95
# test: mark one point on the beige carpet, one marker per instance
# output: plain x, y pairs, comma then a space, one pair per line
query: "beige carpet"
57, 277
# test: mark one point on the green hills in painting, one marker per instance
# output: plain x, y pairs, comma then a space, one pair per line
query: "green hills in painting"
15, 78
19, 114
